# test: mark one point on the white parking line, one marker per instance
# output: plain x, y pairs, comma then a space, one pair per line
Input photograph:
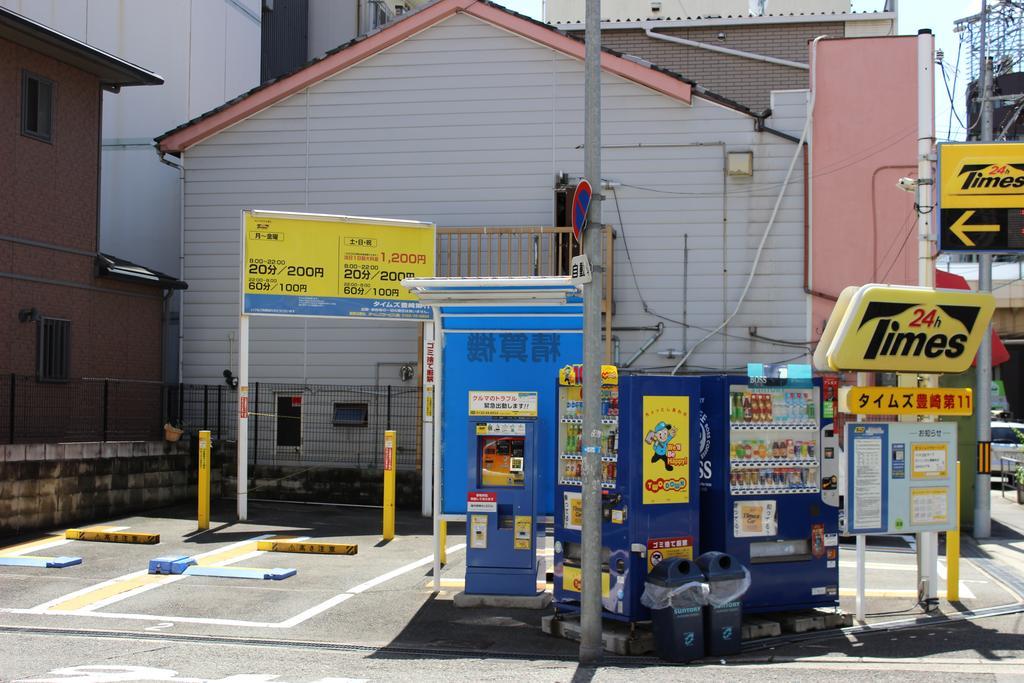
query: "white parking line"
127, 577
287, 623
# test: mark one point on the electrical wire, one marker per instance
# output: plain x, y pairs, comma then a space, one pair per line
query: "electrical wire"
643, 301
899, 251
952, 95
755, 190
767, 229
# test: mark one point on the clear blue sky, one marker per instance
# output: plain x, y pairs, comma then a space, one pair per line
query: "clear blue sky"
938, 15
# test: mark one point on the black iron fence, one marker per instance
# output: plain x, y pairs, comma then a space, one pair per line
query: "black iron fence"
79, 410
314, 424
289, 424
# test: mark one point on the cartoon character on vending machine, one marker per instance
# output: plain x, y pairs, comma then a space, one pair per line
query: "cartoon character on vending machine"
658, 438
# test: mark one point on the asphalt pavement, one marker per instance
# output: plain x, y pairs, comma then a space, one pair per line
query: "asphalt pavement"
376, 616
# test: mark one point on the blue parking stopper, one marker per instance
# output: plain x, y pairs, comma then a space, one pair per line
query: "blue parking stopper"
278, 574
170, 564
62, 561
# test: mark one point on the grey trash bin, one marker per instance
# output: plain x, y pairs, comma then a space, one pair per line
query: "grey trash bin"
727, 581
675, 593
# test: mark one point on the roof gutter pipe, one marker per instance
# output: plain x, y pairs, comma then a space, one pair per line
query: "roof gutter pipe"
651, 33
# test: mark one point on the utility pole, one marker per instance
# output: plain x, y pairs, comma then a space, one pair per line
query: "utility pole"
591, 647
927, 541
983, 389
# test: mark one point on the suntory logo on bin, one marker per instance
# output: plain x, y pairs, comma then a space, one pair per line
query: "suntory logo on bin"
909, 329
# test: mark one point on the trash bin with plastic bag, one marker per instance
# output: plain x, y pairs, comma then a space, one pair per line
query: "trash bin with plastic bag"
675, 592
727, 581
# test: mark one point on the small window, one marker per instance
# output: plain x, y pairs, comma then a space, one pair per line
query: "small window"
54, 350
350, 414
36, 107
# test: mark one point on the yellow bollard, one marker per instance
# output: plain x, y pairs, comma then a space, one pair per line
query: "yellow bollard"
204, 479
953, 548
389, 484
444, 542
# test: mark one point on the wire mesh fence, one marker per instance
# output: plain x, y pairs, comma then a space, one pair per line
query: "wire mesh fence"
307, 424
79, 410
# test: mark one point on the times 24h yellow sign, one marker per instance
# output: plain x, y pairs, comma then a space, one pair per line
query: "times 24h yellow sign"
981, 197
904, 329
333, 266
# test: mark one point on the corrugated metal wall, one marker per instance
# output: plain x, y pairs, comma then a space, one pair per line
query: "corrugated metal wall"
465, 124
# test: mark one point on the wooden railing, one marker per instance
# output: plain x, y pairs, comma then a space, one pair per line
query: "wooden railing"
520, 251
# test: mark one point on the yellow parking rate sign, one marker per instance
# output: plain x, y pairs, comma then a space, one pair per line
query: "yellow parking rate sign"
333, 266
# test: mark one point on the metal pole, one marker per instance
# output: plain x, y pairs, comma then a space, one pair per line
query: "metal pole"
591, 648
243, 417
983, 389
927, 541
860, 579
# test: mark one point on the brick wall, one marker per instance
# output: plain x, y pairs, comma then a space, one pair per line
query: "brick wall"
49, 188
746, 81
43, 487
48, 194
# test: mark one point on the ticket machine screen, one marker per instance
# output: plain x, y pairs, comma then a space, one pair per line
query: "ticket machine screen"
501, 460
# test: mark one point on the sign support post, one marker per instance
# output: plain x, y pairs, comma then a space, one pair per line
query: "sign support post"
862, 542
243, 418
983, 479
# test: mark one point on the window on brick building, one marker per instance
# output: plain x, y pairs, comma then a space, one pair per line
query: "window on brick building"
36, 107
54, 350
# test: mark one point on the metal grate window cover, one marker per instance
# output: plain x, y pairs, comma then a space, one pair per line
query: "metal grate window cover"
351, 414
54, 350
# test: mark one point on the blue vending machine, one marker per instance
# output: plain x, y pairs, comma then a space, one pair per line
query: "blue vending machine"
501, 506
766, 494
650, 505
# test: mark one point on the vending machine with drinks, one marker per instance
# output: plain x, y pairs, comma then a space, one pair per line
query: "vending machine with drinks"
649, 505
764, 498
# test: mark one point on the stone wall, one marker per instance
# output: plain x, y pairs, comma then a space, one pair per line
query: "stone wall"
43, 486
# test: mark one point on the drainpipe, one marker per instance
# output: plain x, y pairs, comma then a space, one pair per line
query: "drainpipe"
723, 50
180, 167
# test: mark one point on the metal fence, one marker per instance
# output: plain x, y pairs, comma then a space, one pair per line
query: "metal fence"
79, 410
307, 424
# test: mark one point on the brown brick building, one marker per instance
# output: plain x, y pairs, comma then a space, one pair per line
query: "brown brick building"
66, 311
740, 58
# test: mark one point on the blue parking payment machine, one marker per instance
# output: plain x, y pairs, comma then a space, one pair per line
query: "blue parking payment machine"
501, 498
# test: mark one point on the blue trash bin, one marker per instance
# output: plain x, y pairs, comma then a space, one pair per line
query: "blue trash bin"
675, 593
727, 581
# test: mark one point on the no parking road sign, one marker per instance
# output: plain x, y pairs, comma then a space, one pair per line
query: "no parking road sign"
580, 206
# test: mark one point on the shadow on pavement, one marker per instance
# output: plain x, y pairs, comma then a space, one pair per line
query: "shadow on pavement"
441, 629
969, 638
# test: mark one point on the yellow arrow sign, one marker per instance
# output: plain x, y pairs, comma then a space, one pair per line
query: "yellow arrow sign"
960, 228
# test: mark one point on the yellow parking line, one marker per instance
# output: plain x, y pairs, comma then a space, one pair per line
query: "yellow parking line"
49, 540
138, 580
108, 591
